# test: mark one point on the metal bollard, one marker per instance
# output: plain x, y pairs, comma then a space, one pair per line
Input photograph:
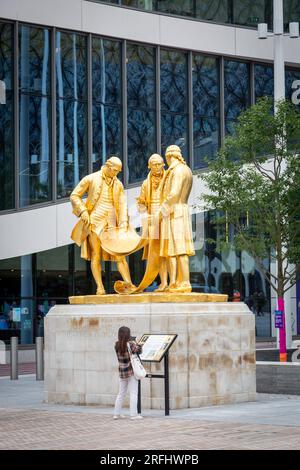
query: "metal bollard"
14, 358
39, 356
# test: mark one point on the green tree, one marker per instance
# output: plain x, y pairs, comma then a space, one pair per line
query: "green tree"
254, 184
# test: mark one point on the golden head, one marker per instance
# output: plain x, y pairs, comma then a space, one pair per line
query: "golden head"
173, 151
113, 166
156, 164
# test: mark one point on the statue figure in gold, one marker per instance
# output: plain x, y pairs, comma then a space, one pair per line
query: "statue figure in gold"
104, 209
149, 203
176, 244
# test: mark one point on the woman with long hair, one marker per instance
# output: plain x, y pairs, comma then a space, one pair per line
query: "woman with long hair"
126, 376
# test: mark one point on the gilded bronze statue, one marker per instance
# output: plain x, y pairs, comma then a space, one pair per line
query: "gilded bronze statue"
103, 231
104, 209
149, 203
176, 242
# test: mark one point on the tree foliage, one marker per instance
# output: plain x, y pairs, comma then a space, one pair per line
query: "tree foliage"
255, 183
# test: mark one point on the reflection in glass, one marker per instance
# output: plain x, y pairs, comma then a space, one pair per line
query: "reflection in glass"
141, 142
242, 12
237, 90
35, 166
206, 140
213, 10
176, 7
83, 278
34, 60
52, 274
174, 99
34, 115
174, 131
264, 81
107, 138
205, 108
6, 118
106, 71
107, 98
71, 120
292, 86
251, 12
71, 66
291, 12
140, 76
71, 145
205, 86
141, 104
173, 77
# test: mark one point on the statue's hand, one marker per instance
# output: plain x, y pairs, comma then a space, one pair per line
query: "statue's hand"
123, 227
142, 208
85, 217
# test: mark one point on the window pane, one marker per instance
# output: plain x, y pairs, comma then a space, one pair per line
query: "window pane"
206, 140
6, 118
213, 10
291, 12
173, 77
249, 12
205, 86
264, 81
237, 88
140, 76
34, 61
292, 86
71, 67
35, 168
71, 145
83, 275
141, 142
176, 7
174, 131
106, 63
10, 277
52, 274
107, 138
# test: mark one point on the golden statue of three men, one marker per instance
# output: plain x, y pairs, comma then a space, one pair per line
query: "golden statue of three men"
103, 231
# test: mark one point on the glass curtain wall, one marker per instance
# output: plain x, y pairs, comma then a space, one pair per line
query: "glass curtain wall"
35, 101
292, 86
241, 12
71, 110
174, 99
206, 108
107, 100
263, 80
7, 200
236, 91
34, 115
141, 109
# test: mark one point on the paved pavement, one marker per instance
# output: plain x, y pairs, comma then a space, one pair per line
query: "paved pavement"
272, 422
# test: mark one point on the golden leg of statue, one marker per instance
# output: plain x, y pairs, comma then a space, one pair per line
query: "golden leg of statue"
95, 262
180, 266
163, 274
123, 269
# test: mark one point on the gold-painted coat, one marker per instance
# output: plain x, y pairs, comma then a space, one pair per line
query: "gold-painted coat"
176, 230
92, 184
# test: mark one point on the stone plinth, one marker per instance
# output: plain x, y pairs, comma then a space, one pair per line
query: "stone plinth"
212, 361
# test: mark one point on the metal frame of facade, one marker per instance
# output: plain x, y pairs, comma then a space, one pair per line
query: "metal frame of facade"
123, 43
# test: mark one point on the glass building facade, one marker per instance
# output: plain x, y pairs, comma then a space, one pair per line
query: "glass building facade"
70, 100
30, 285
236, 12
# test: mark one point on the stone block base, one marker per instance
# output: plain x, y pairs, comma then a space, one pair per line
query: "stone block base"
212, 361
